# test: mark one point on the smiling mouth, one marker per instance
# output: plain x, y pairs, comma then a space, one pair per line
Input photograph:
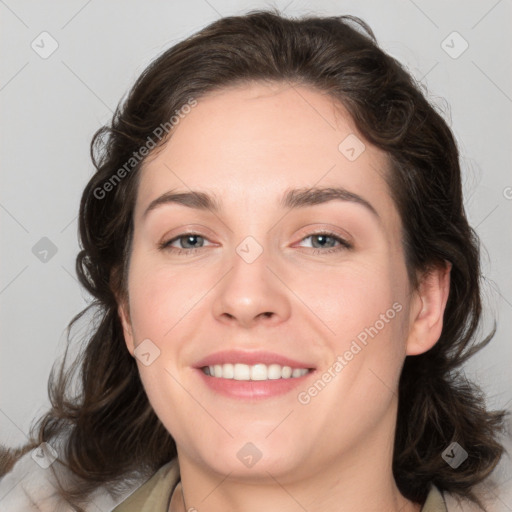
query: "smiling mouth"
256, 372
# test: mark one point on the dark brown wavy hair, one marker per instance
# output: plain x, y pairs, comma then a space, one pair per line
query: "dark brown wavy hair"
111, 430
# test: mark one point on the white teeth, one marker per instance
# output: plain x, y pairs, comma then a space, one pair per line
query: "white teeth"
258, 372
228, 371
274, 371
240, 371
286, 372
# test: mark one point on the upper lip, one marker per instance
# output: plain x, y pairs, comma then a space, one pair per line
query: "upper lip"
250, 358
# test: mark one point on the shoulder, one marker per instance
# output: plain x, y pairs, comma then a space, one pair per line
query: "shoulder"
493, 498
156, 492
31, 486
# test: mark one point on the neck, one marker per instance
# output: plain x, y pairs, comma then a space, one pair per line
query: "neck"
360, 484
395, 502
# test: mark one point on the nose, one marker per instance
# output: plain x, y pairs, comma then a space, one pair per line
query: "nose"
251, 293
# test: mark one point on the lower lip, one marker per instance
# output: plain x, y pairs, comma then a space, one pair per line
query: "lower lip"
252, 389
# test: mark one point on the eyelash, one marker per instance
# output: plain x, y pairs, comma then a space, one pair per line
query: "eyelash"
344, 245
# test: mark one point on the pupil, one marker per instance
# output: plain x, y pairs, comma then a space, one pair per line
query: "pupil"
322, 239
191, 238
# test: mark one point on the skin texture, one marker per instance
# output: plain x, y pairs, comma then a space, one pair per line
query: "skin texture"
248, 144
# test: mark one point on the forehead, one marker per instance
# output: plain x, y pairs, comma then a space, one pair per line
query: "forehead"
265, 125
248, 143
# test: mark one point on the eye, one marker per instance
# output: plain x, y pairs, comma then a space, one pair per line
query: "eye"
326, 241
188, 241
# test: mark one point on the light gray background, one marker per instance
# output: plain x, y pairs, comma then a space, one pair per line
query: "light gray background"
51, 107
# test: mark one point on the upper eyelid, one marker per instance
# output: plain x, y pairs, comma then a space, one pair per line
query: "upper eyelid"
175, 238
325, 228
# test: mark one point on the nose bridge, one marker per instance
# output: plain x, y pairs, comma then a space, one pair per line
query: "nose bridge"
250, 290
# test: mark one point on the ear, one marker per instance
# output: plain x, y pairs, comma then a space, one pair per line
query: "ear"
124, 315
427, 310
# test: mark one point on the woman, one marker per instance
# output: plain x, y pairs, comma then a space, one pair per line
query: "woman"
302, 352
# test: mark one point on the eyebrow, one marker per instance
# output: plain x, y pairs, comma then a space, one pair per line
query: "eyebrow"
292, 199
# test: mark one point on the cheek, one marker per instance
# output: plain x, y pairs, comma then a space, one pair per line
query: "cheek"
349, 298
362, 310
345, 298
160, 296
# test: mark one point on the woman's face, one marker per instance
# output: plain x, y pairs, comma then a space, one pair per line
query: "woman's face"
276, 274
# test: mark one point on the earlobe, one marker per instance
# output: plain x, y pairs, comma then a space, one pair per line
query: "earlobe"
127, 328
427, 311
